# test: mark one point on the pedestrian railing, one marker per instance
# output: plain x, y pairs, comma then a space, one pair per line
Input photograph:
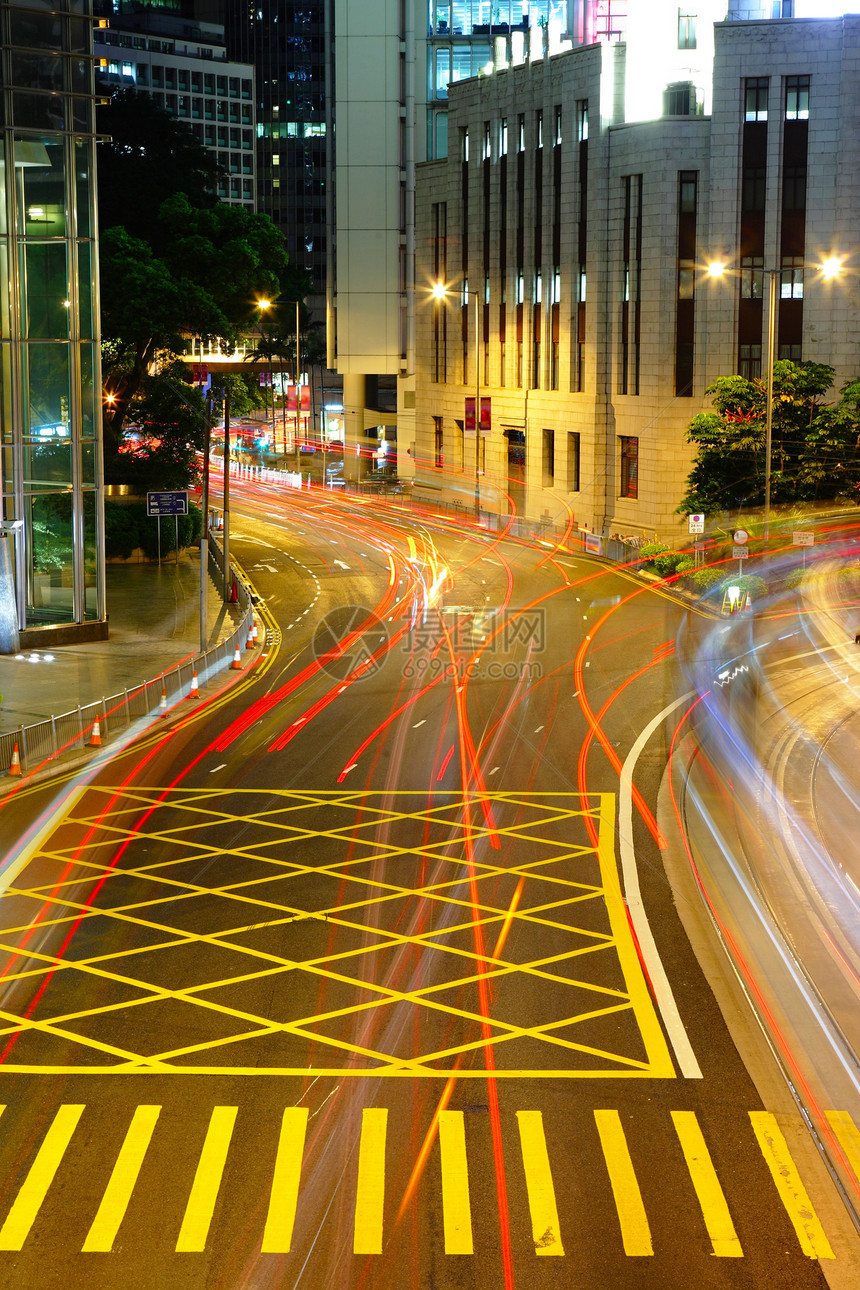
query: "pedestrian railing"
45, 740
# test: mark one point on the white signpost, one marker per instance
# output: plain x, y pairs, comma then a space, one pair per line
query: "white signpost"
740, 537
803, 540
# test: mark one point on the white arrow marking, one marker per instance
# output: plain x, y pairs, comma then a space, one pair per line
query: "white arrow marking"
341, 564
420, 723
268, 567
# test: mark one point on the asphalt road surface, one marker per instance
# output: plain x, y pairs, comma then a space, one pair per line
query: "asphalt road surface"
366, 973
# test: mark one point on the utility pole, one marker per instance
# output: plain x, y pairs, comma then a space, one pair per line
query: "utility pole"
204, 536
227, 586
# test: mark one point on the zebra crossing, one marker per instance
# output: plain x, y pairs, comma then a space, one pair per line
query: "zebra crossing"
371, 1152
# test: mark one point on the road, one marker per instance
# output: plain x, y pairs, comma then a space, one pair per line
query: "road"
367, 973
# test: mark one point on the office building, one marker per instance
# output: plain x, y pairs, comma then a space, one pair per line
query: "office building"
50, 385
573, 221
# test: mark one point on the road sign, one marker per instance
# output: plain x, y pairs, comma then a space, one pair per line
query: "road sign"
697, 523
740, 537
740, 553
803, 539
175, 503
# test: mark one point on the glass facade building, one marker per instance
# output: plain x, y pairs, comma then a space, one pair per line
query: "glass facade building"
50, 405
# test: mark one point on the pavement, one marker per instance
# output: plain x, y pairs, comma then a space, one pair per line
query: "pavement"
154, 617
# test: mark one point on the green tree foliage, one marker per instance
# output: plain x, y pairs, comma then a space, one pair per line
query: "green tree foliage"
165, 433
815, 446
174, 262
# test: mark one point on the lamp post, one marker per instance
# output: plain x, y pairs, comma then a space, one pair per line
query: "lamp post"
263, 305
829, 269
440, 292
299, 398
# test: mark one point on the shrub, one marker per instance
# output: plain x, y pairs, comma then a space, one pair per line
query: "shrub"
672, 562
128, 527
650, 550
704, 580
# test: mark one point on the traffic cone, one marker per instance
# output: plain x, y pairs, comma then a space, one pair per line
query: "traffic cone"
15, 766
96, 739
249, 643
162, 706
234, 594
194, 692
236, 665
254, 633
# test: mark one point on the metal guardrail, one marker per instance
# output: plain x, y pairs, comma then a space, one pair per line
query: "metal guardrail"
46, 740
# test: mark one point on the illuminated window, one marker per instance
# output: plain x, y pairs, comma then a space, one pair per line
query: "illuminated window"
791, 278
797, 98
556, 128
538, 129
752, 277
582, 120
503, 137
487, 151
521, 132
755, 98
629, 466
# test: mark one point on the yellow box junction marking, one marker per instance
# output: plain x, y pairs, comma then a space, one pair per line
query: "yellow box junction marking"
792, 1192
370, 1192
546, 1231
456, 1205
381, 850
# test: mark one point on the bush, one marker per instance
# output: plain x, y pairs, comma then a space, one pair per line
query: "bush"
704, 580
129, 527
649, 551
672, 562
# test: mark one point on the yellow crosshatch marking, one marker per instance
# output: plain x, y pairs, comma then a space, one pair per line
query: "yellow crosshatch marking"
334, 933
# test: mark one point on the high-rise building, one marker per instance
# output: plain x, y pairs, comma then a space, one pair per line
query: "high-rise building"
284, 40
179, 58
50, 385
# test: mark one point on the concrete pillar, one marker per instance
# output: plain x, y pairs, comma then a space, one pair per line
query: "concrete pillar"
354, 402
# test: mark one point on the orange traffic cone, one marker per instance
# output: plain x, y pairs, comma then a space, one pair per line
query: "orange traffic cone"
96, 739
236, 665
234, 594
194, 692
162, 706
249, 643
15, 766
254, 632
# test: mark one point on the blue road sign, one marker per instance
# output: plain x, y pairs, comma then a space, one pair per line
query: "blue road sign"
167, 503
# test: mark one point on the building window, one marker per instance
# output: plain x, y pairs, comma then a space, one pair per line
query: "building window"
753, 194
538, 287
686, 30
464, 145
520, 287
519, 363
488, 147
797, 98
792, 352
629, 466
438, 442
752, 277
538, 129
686, 279
556, 128
503, 137
521, 132
688, 190
582, 284
755, 98
749, 362
548, 458
582, 121
791, 278
794, 188
573, 461
556, 285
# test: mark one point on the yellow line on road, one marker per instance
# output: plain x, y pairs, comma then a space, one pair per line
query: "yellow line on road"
792, 1192
370, 1195
207, 1180
849, 1138
715, 1211
546, 1231
635, 1231
114, 1203
284, 1196
34, 1188
456, 1206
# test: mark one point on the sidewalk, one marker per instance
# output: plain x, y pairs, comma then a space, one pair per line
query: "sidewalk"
154, 614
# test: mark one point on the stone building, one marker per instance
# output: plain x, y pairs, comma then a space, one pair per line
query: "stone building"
572, 225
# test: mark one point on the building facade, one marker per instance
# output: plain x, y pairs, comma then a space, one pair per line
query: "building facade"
575, 243
181, 62
50, 385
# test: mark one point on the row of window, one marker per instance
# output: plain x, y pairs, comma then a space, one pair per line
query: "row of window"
795, 101
182, 105
517, 133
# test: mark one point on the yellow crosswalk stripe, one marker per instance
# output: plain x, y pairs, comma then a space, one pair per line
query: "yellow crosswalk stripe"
370, 1195
34, 1188
207, 1180
456, 1206
546, 1231
715, 1211
792, 1192
284, 1196
114, 1202
849, 1138
635, 1232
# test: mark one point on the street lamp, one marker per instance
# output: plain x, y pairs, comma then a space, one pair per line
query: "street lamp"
440, 292
829, 270
263, 305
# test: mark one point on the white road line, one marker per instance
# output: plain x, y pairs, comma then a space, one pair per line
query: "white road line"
633, 896
221, 767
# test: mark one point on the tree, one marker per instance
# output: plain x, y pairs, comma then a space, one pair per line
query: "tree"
815, 450
166, 432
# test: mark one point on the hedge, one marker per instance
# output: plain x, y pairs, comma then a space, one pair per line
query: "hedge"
128, 527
